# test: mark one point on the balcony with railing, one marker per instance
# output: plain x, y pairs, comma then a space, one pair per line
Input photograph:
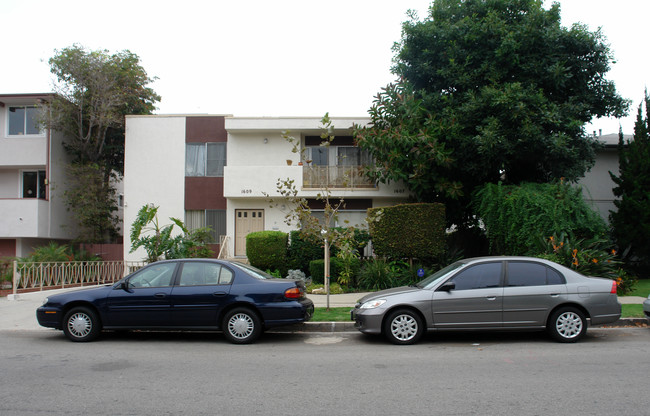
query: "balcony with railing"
346, 177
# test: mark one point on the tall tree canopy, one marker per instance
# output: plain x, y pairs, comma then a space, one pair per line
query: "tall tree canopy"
488, 91
631, 220
94, 91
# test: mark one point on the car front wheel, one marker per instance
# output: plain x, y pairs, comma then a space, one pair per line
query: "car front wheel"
403, 327
81, 325
242, 326
567, 325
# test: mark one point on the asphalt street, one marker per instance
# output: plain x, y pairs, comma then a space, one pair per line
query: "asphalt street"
141, 373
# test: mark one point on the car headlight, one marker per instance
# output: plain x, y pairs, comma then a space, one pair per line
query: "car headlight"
371, 304
45, 301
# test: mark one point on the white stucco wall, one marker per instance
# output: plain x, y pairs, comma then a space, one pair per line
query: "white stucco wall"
154, 171
598, 185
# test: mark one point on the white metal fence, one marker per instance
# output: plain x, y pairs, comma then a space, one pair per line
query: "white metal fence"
30, 275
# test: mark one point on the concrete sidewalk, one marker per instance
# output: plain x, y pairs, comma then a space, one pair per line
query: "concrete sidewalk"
19, 312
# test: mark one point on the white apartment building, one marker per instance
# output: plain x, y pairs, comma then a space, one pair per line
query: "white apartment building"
215, 171
32, 178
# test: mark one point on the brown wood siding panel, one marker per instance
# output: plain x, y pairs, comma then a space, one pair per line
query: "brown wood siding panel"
338, 141
199, 129
350, 204
204, 193
8, 248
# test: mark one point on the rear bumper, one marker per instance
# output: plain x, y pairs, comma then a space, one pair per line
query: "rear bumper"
290, 313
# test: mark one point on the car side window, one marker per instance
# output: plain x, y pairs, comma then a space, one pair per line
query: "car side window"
480, 276
196, 274
156, 275
225, 278
532, 274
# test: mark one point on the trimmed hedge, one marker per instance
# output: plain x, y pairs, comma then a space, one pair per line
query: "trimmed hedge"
317, 270
267, 250
408, 230
303, 250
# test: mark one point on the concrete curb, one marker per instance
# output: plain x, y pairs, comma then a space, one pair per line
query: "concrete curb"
324, 327
330, 327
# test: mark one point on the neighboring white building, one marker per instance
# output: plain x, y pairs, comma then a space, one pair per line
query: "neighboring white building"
32, 178
215, 171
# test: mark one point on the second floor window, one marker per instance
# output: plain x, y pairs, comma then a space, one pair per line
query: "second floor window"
22, 121
34, 184
205, 159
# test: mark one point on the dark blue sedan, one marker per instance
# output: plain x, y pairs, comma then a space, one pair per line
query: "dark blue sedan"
188, 294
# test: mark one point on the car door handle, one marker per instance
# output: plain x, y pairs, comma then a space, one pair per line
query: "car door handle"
160, 295
555, 295
219, 294
491, 298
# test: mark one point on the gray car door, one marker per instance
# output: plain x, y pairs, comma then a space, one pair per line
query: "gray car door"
475, 302
531, 291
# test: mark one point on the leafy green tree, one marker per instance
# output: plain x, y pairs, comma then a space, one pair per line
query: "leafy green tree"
94, 203
300, 214
488, 91
94, 91
631, 220
158, 241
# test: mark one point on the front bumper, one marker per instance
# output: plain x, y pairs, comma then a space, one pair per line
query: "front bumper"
368, 321
49, 317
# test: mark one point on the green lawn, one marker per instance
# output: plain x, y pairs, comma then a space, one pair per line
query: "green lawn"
343, 314
642, 288
632, 311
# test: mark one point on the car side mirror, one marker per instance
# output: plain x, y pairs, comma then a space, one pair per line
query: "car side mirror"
447, 287
125, 285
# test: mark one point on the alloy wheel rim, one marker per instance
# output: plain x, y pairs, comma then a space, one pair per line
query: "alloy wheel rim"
240, 326
404, 327
80, 325
569, 325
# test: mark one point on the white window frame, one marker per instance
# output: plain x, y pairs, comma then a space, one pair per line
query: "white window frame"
41, 132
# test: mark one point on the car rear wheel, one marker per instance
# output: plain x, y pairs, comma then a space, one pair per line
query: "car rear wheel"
567, 325
403, 327
81, 325
242, 326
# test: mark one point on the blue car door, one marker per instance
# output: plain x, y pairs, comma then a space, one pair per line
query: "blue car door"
144, 299
203, 289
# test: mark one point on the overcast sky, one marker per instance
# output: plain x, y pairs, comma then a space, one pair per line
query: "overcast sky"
270, 58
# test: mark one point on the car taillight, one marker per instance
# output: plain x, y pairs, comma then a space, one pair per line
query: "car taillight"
293, 293
614, 287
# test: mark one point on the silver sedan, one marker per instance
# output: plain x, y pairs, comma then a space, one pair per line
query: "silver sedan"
488, 293
646, 308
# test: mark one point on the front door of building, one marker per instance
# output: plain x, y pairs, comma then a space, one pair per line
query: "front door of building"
246, 222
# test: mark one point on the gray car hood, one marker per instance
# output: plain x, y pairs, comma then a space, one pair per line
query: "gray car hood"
389, 292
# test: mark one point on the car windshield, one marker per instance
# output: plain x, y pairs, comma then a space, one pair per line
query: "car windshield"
253, 271
431, 280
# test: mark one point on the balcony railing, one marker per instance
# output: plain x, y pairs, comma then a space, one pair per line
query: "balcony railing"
335, 177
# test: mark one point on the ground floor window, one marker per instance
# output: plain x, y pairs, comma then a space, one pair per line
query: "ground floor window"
213, 218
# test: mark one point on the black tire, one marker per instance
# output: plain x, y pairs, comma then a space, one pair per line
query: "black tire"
567, 324
81, 325
403, 327
241, 326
